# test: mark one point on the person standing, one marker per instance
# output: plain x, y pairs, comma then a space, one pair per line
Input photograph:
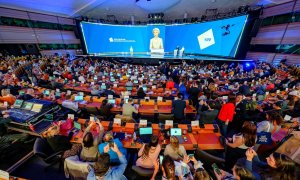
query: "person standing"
178, 108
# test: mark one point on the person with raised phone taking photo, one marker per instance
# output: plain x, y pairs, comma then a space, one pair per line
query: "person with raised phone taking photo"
103, 169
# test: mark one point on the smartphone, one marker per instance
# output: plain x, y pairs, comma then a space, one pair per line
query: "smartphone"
161, 157
215, 167
111, 144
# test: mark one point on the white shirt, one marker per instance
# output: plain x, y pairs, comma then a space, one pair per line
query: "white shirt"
81, 78
156, 43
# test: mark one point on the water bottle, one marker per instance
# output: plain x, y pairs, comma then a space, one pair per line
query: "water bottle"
131, 50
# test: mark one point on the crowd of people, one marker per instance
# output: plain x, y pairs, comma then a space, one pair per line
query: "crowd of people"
245, 103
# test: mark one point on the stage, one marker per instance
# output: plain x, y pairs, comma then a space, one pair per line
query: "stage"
156, 59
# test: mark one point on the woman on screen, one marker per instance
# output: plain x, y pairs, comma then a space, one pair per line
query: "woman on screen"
156, 42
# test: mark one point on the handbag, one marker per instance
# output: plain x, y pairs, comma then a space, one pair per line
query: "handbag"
265, 137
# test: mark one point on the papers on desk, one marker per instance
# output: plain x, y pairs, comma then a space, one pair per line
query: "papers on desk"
195, 123
117, 121
169, 122
143, 122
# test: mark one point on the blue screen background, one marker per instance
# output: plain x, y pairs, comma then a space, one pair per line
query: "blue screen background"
103, 38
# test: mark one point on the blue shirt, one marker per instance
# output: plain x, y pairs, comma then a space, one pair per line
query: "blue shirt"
115, 172
113, 156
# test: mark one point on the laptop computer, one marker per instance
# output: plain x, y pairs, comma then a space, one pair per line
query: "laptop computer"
103, 87
129, 88
178, 133
78, 98
111, 101
47, 92
146, 134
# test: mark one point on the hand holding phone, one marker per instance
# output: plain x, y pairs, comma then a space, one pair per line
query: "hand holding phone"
161, 157
216, 169
111, 144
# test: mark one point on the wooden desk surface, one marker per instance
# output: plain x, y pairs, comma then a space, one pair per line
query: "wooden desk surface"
145, 109
204, 138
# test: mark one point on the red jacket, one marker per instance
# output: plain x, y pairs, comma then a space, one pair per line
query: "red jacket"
227, 112
170, 85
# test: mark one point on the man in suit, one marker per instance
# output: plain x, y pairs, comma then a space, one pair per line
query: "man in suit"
208, 112
178, 108
240, 112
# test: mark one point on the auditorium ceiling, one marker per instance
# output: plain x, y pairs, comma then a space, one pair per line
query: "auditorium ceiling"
124, 9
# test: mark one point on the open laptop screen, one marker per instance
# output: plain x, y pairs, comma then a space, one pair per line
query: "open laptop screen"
78, 98
145, 131
112, 101
176, 132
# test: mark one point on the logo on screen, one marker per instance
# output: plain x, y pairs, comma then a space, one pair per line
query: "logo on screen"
206, 39
120, 40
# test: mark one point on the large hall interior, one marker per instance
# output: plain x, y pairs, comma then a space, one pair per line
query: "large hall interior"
150, 89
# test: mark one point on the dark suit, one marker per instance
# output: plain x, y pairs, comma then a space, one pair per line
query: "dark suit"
238, 120
208, 116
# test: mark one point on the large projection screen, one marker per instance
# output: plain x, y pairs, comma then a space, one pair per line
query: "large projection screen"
216, 38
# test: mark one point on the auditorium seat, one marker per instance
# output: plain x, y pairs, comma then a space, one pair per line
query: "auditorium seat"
42, 149
143, 172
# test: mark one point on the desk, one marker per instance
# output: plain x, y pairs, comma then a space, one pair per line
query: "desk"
204, 138
143, 109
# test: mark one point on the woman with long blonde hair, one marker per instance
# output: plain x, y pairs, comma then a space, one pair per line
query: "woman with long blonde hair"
174, 149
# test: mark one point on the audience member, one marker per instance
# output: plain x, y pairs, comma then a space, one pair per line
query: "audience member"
148, 154
103, 169
90, 142
174, 149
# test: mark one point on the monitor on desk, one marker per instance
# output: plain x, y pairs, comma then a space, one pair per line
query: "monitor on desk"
27, 106
111, 101
145, 89
46, 92
18, 103
103, 87
176, 132
146, 131
78, 98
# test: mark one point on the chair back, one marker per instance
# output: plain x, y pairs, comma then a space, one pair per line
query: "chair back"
143, 172
207, 158
41, 148
163, 117
76, 169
